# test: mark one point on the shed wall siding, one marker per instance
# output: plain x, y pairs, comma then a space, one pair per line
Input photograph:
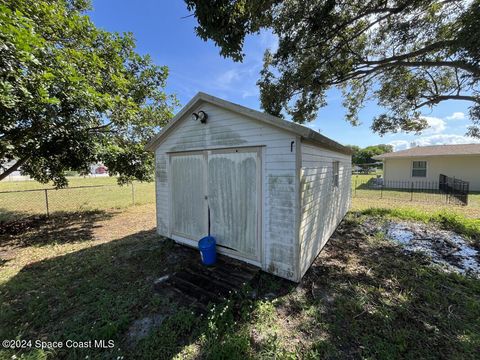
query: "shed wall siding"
322, 204
466, 168
225, 129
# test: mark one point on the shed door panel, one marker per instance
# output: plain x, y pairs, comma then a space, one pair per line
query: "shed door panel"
233, 199
188, 195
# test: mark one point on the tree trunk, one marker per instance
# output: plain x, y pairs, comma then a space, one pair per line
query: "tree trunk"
13, 168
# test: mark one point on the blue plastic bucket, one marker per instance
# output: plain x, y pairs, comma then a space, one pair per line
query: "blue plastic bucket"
208, 252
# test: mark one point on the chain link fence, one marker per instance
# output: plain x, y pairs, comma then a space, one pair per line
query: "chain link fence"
17, 204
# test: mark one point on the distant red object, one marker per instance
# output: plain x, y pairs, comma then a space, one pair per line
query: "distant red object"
101, 170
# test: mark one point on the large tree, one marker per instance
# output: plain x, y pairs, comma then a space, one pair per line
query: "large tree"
365, 156
72, 95
408, 55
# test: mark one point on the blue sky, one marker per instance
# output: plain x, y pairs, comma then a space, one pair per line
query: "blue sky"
162, 31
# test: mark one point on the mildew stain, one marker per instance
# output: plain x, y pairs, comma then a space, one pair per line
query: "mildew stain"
162, 227
161, 170
224, 135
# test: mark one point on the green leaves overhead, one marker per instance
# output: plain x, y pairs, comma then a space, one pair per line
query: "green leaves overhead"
72, 95
407, 55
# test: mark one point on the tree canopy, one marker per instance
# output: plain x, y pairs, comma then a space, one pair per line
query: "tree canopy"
72, 95
365, 156
408, 55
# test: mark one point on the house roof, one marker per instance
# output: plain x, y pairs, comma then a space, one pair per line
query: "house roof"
303, 131
433, 150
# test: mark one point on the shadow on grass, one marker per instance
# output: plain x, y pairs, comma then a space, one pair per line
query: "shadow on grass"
362, 298
91, 294
59, 228
8, 216
371, 300
99, 292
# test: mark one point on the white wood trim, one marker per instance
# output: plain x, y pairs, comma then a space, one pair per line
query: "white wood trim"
298, 207
426, 169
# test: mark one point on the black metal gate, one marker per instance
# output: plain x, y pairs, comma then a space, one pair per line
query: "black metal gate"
456, 190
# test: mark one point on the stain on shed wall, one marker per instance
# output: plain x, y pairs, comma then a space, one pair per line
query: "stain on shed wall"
323, 205
162, 196
227, 129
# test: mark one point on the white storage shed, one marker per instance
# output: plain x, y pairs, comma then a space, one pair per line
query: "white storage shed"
275, 190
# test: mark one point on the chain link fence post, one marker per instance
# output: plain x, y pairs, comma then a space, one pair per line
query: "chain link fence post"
46, 203
133, 194
355, 186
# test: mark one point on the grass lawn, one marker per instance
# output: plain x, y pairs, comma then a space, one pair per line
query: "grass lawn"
98, 193
90, 275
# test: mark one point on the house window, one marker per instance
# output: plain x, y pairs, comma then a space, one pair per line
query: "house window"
419, 169
336, 170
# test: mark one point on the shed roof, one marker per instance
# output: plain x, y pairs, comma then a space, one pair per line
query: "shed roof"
433, 150
305, 132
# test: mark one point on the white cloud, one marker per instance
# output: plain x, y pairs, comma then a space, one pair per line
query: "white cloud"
225, 79
399, 144
456, 116
440, 139
435, 125
250, 93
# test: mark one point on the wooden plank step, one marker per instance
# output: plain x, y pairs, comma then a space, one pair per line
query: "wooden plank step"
192, 290
213, 279
200, 285
222, 276
189, 300
204, 283
232, 272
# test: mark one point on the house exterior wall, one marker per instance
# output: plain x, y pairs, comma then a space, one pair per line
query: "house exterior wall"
226, 129
466, 167
322, 204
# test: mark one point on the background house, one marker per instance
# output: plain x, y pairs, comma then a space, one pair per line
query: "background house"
426, 163
275, 190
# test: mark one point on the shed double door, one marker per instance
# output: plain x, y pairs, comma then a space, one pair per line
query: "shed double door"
227, 182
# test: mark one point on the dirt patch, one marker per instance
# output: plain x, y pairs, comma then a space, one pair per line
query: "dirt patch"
141, 328
450, 251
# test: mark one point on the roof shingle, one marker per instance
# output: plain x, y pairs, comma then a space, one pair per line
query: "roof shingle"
434, 150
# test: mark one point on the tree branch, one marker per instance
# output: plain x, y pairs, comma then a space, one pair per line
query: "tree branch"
389, 12
437, 99
13, 168
99, 127
437, 91
439, 45
365, 70
428, 63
